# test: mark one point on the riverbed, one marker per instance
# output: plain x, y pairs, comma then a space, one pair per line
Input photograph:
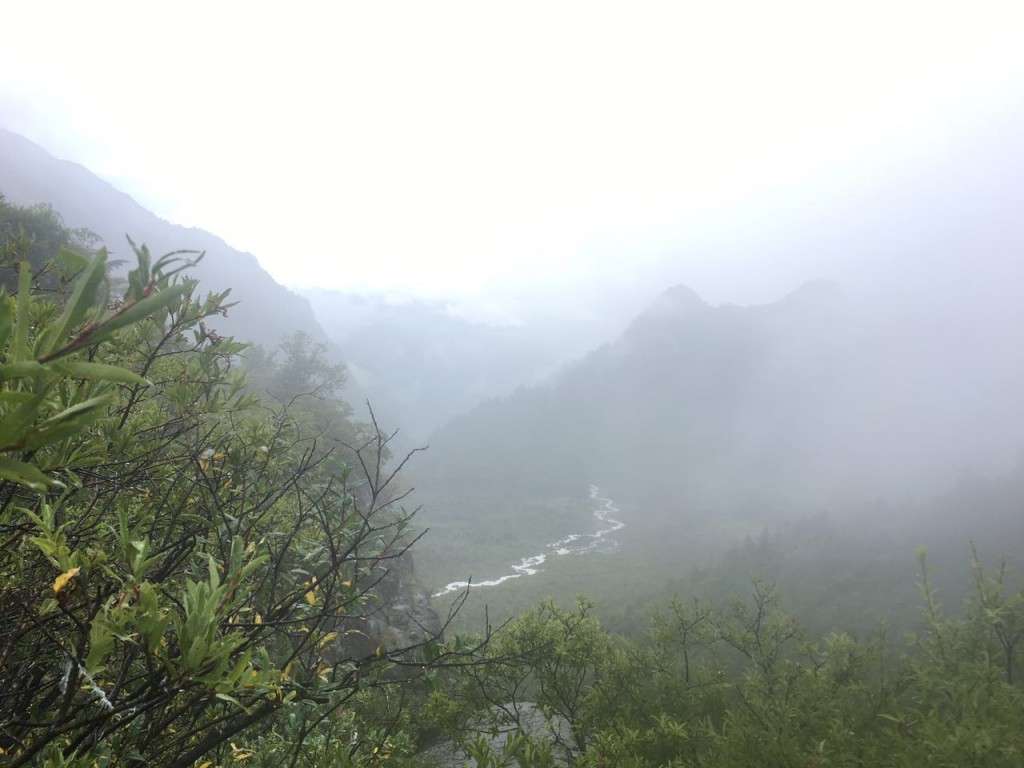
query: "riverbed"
572, 544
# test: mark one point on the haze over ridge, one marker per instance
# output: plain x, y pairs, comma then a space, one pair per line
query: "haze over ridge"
737, 149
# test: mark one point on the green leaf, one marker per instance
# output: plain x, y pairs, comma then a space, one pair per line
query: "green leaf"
75, 411
16, 423
129, 315
181, 260
152, 628
20, 349
148, 306
216, 674
15, 397
240, 668
139, 277
83, 298
6, 318
23, 369
67, 423
101, 642
23, 474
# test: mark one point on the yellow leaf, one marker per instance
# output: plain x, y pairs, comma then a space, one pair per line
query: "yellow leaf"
310, 597
327, 638
258, 619
239, 753
62, 581
207, 764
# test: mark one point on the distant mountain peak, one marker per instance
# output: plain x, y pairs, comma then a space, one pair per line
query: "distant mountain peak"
816, 292
679, 298
676, 305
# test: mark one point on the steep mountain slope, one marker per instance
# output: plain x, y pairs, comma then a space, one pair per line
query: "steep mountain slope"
426, 365
267, 310
804, 402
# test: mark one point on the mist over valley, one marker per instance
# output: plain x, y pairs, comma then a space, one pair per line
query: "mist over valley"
709, 424
461, 389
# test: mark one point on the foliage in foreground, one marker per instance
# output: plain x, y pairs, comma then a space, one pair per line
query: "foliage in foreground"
186, 572
744, 686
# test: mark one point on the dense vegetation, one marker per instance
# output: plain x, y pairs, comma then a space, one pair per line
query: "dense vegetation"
195, 558
745, 685
188, 570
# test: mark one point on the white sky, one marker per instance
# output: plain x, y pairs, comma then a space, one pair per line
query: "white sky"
481, 149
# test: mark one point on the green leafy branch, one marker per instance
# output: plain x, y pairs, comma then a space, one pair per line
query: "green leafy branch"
36, 357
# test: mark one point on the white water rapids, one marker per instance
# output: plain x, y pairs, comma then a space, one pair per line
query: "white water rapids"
573, 544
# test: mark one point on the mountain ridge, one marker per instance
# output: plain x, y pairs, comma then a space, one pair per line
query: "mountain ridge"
805, 401
30, 175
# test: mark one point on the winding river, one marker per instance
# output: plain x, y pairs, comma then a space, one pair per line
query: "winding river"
573, 544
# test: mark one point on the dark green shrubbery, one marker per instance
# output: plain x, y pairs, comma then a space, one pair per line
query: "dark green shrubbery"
744, 686
186, 568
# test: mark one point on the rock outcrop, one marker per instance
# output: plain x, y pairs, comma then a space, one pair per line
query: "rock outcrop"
396, 614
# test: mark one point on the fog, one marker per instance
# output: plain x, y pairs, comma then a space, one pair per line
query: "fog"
735, 268
927, 256
498, 161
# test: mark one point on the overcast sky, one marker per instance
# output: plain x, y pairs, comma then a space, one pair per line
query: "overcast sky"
495, 150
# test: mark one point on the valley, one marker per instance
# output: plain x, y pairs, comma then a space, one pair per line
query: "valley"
576, 544
634, 508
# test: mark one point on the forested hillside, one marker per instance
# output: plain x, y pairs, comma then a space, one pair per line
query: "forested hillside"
809, 401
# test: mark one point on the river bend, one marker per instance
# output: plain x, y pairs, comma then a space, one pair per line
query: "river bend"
573, 544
